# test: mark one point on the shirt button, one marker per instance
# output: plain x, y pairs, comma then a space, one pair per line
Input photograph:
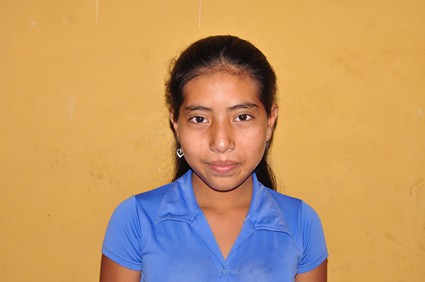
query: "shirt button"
223, 271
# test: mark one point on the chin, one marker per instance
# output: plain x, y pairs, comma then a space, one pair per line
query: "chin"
226, 185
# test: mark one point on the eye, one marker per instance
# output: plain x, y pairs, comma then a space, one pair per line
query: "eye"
243, 117
198, 119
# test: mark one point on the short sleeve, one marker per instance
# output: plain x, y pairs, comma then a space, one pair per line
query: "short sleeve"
314, 244
123, 236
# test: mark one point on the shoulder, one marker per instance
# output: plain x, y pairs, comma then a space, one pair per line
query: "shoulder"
293, 207
130, 217
289, 206
300, 218
305, 228
146, 202
153, 196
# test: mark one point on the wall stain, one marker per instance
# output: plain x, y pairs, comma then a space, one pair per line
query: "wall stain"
417, 185
70, 108
33, 23
346, 63
391, 237
101, 177
416, 190
342, 267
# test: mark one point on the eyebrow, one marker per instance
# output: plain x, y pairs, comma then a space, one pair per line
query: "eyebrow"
196, 108
244, 106
232, 108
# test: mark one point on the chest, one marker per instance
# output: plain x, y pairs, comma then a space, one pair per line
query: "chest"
226, 228
178, 251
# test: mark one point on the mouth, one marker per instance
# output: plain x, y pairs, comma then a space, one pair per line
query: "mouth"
222, 167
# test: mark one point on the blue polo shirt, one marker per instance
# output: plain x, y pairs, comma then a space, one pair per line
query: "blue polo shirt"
164, 234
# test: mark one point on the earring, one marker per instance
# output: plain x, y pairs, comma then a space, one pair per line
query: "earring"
180, 153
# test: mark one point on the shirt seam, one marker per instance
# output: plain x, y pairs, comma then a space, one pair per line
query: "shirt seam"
120, 260
314, 264
140, 239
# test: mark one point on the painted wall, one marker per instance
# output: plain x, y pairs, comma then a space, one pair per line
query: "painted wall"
83, 123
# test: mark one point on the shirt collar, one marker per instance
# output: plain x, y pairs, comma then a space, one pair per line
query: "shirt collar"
179, 203
264, 212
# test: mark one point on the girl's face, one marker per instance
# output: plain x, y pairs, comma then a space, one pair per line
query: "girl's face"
223, 129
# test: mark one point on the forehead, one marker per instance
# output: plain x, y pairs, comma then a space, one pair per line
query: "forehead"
221, 88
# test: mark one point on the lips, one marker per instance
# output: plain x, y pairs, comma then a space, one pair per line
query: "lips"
222, 167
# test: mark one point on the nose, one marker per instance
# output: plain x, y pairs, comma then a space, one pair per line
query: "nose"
221, 137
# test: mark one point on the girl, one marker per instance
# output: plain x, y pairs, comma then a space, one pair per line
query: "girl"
221, 218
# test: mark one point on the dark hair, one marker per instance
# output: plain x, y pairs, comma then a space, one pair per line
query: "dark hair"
228, 54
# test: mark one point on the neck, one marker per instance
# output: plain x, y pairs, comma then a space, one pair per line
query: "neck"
211, 199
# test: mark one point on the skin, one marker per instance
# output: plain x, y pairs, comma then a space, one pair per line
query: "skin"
223, 129
319, 274
113, 272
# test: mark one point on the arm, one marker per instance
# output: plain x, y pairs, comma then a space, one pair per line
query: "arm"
319, 274
111, 271
121, 253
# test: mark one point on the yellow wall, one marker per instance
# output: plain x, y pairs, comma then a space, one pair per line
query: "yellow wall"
83, 123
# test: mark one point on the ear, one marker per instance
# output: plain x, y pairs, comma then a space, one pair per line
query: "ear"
271, 121
173, 122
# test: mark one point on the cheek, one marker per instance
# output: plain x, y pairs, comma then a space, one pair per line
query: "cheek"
192, 144
258, 148
258, 140
257, 136
254, 144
